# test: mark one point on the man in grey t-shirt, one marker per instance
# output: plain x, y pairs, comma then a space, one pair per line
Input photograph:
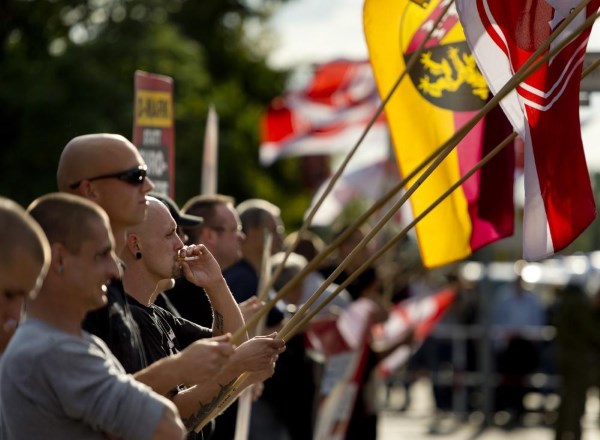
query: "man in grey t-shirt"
58, 385
58, 381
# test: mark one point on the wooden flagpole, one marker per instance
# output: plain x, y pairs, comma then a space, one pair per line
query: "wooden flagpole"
210, 158
265, 267
242, 424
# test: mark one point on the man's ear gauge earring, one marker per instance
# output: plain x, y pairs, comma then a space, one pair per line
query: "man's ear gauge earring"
138, 255
60, 269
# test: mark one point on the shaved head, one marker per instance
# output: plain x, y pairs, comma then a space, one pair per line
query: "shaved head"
66, 218
91, 155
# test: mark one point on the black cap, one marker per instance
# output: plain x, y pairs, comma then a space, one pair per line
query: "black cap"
184, 220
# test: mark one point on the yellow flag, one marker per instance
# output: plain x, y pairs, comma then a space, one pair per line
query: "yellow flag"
441, 93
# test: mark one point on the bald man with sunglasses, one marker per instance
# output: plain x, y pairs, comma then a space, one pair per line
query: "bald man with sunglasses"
108, 170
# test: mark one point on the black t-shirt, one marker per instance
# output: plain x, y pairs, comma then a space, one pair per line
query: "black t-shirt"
191, 302
164, 334
115, 325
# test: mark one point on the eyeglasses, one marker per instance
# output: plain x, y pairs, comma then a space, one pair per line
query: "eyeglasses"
133, 176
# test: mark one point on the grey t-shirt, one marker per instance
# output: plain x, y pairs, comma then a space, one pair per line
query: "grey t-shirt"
54, 385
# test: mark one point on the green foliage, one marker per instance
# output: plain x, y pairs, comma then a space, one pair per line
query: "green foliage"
67, 68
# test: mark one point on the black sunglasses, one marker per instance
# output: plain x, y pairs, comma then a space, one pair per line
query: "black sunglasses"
133, 176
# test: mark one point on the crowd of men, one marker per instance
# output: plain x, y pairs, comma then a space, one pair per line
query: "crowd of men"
125, 317
118, 311
93, 357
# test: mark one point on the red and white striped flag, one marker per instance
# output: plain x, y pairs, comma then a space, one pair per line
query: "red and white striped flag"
544, 110
327, 116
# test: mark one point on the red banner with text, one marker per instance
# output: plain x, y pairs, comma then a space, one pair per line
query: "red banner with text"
154, 128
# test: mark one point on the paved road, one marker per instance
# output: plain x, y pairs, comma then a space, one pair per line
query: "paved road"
417, 422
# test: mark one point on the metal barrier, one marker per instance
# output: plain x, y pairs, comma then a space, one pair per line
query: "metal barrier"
456, 373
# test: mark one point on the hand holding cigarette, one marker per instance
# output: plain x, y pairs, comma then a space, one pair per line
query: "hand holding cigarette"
188, 253
199, 266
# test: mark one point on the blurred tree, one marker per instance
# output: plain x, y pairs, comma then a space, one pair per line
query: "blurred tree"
66, 68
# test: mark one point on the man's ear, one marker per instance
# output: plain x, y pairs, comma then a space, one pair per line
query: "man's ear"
87, 190
58, 252
133, 243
